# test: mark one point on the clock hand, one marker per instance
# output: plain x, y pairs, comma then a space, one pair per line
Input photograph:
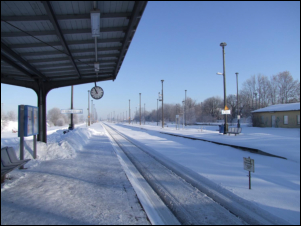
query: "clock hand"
95, 90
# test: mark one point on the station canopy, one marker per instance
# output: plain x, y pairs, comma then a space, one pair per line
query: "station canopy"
52, 44
61, 43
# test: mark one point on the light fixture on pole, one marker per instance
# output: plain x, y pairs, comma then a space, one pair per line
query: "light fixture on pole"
237, 104
185, 109
140, 108
92, 112
255, 93
183, 113
95, 22
162, 106
88, 107
223, 44
157, 111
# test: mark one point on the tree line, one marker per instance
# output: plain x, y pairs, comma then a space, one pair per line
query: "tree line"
56, 118
257, 92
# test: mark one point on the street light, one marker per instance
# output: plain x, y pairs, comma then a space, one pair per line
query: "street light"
255, 93
223, 44
92, 113
162, 106
157, 111
88, 107
238, 125
140, 108
183, 113
185, 109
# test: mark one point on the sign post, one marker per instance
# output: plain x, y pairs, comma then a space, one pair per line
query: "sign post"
28, 125
249, 166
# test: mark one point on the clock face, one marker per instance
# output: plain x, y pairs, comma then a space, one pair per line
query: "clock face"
96, 92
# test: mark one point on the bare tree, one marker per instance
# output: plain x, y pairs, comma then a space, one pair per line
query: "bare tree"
287, 87
212, 107
11, 116
263, 86
54, 115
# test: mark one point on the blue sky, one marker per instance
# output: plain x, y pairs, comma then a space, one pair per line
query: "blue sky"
180, 43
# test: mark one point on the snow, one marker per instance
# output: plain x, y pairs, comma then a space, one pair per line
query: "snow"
280, 107
67, 166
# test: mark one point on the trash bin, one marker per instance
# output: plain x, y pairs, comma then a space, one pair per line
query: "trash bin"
221, 128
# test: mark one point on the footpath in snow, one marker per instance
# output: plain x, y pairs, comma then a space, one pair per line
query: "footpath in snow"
77, 179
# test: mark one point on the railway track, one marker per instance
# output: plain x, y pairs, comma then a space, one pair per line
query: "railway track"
187, 203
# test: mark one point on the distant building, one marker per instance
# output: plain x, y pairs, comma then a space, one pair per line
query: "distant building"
279, 115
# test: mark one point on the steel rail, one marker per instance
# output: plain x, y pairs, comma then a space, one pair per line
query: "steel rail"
188, 204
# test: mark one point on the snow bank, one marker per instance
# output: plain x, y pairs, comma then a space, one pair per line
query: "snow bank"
59, 145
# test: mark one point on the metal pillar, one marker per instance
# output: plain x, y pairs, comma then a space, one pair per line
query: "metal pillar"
41, 93
129, 111
71, 116
89, 108
185, 109
140, 107
157, 111
223, 44
238, 125
162, 106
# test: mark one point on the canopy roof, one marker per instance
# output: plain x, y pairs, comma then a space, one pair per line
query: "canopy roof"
51, 42
280, 107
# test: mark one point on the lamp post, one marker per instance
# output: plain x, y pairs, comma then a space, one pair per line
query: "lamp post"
140, 108
88, 107
91, 111
162, 106
238, 125
223, 44
255, 93
185, 109
129, 111
183, 113
157, 112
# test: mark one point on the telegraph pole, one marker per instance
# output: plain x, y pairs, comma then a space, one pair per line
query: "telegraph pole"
157, 111
140, 108
129, 111
162, 106
88, 107
185, 108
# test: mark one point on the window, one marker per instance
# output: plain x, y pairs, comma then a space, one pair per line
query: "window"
298, 119
285, 121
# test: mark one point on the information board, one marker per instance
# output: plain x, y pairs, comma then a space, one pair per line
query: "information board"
71, 111
249, 164
226, 112
30, 120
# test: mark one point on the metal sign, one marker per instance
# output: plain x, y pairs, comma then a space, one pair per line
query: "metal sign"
249, 164
30, 120
226, 108
226, 112
71, 111
238, 116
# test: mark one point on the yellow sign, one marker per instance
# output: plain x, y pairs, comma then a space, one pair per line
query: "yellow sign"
226, 108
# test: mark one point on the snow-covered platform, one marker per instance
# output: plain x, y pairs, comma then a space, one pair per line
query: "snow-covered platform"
88, 188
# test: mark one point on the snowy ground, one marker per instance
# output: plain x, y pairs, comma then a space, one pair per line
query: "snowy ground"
275, 183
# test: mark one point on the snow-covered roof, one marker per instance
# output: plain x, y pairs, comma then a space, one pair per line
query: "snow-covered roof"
280, 107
